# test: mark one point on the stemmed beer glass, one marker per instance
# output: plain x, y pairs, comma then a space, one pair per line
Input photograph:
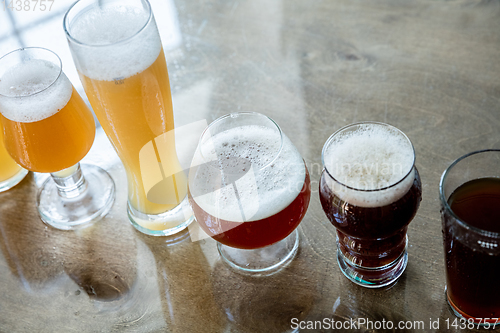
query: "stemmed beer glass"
48, 128
249, 189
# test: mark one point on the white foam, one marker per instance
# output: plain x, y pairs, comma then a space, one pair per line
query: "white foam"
371, 157
24, 99
115, 54
268, 187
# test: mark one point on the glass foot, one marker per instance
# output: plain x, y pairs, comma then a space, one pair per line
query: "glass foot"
13, 181
164, 224
265, 260
82, 210
373, 277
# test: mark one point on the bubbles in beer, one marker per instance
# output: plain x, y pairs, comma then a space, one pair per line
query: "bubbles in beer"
247, 177
110, 27
34, 81
372, 157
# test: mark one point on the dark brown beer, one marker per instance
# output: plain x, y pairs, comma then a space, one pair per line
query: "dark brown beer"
472, 269
371, 236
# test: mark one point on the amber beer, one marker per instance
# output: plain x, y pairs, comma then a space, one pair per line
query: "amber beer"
51, 130
258, 207
124, 73
370, 191
256, 233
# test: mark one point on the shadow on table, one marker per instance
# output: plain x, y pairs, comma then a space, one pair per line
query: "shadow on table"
346, 306
103, 265
183, 274
266, 303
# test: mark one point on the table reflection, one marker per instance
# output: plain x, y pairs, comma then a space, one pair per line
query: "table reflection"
102, 265
266, 303
183, 275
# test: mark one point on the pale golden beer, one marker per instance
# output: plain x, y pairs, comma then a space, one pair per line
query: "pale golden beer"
8, 168
133, 113
119, 57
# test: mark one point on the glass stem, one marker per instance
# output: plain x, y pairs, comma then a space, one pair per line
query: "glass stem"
70, 182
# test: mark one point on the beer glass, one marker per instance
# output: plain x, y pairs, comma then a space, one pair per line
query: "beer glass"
49, 128
119, 57
370, 190
469, 192
10, 172
249, 189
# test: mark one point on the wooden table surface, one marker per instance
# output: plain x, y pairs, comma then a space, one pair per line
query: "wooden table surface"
430, 68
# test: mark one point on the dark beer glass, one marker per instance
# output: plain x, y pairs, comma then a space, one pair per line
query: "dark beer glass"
370, 190
249, 189
470, 199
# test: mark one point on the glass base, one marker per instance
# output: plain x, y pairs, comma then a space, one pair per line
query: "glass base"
484, 322
13, 181
164, 224
373, 277
82, 210
265, 260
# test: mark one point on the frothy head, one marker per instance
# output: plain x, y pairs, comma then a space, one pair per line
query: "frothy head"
33, 90
370, 163
112, 41
269, 173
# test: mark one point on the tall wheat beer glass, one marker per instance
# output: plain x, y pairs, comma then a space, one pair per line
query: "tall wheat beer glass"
48, 128
118, 53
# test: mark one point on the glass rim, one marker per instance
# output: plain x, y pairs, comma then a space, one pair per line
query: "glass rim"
328, 141
444, 201
121, 41
243, 113
35, 48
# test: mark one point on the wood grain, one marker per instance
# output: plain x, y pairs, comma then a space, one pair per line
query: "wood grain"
430, 68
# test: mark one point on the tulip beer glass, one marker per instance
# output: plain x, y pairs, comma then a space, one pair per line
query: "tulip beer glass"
119, 57
249, 189
49, 128
370, 190
470, 199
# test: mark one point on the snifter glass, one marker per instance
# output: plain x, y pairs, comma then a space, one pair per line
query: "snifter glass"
48, 128
249, 189
371, 215
469, 192
119, 56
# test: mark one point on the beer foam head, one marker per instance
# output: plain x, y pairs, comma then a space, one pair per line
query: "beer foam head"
373, 161
29, 93
249, 178
116, 41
